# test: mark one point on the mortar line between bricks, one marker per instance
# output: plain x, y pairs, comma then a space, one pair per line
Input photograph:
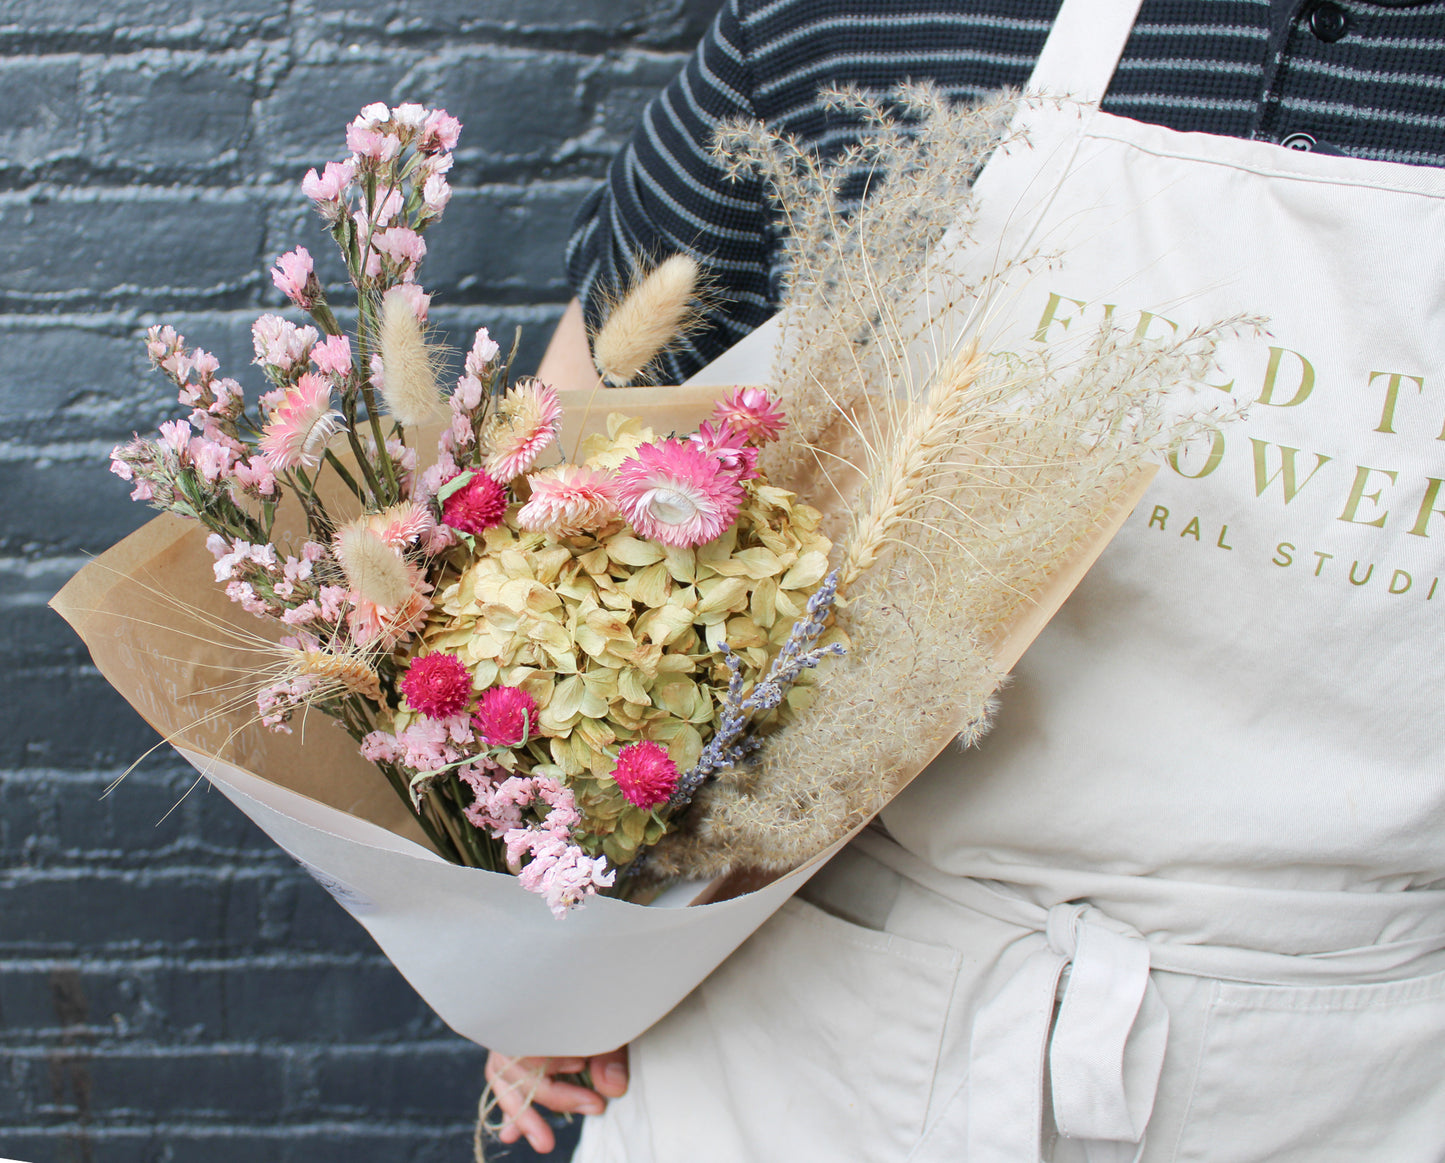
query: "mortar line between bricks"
452, 1044
146, 962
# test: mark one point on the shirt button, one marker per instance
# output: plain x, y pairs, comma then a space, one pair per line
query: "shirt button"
1299, 141
1328, 22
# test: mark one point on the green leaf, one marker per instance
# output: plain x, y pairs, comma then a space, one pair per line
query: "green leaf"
456, 484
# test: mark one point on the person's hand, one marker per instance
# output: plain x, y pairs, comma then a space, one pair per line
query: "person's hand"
522, 1084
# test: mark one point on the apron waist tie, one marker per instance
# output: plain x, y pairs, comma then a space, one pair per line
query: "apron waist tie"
1103, 1060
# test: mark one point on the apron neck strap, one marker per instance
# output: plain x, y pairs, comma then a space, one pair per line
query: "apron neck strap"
1083, 48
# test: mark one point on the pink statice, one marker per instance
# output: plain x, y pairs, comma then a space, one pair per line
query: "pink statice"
436, 476
371, 145
332, 356
558, 870
676, 494
328, 189
280, 345
543, 855
436, 193
482, 355
505, 716
426, 745
403, 247
300, 425
408, 119
751, 411
295, 276
568, 500
163, 345
730, 446
525, 425
440, 131
438, 685
477, 506
255, 477
279, 701
414, 297
645, 774
213, 460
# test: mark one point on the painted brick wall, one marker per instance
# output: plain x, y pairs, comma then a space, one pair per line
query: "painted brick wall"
171, 987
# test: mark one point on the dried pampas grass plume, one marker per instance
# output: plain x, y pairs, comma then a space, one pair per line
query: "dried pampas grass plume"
409, 364
655, 312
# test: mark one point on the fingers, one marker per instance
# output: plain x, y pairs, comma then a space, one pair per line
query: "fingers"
518, 1083
609, 1073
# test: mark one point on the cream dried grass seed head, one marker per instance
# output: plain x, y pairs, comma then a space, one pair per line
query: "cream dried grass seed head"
409, 363
656, 311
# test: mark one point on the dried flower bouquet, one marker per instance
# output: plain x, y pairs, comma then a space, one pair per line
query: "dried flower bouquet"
583, 650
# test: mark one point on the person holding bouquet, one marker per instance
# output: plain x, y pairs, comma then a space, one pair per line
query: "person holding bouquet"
1188, 900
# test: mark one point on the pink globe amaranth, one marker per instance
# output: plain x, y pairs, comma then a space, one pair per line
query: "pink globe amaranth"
438, 685
478, 505
505, 716
646, 774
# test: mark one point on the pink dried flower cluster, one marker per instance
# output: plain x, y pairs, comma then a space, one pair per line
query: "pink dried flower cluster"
675, 493
569, 500
438, 685
506, 716
543, 855
295, 277
753, 413
524, 426
477, 506
645, 774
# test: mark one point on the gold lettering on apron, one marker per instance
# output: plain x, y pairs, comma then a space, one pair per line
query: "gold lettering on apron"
1392, 396
1427, 507
1358, 494
1302, 390
1285, 474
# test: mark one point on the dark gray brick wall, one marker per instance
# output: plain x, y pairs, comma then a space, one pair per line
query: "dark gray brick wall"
172, 989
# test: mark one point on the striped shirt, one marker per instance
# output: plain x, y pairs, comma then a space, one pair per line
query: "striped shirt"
1362, 79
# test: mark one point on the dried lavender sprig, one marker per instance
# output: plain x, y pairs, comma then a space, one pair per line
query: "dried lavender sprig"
730, 746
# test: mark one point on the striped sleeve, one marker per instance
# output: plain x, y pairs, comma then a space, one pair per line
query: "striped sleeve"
665, 194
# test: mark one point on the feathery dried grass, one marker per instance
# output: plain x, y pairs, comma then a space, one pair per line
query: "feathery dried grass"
409, 365
967, 476
657, 309
373, 568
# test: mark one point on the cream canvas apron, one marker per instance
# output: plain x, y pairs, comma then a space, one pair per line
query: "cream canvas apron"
1188, 901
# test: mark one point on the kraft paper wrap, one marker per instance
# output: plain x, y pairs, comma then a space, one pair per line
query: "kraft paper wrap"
484, 953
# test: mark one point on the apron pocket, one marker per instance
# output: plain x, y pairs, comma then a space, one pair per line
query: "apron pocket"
829, 1034
1332, 1074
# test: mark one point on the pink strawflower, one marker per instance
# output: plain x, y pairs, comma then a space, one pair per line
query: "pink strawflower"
440, 131
751, 410
505, 716
295, 276
568, 500
478, 505
730, 446
525, 424
438, 685
301, 425
676, 494
645, 774
332, 356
